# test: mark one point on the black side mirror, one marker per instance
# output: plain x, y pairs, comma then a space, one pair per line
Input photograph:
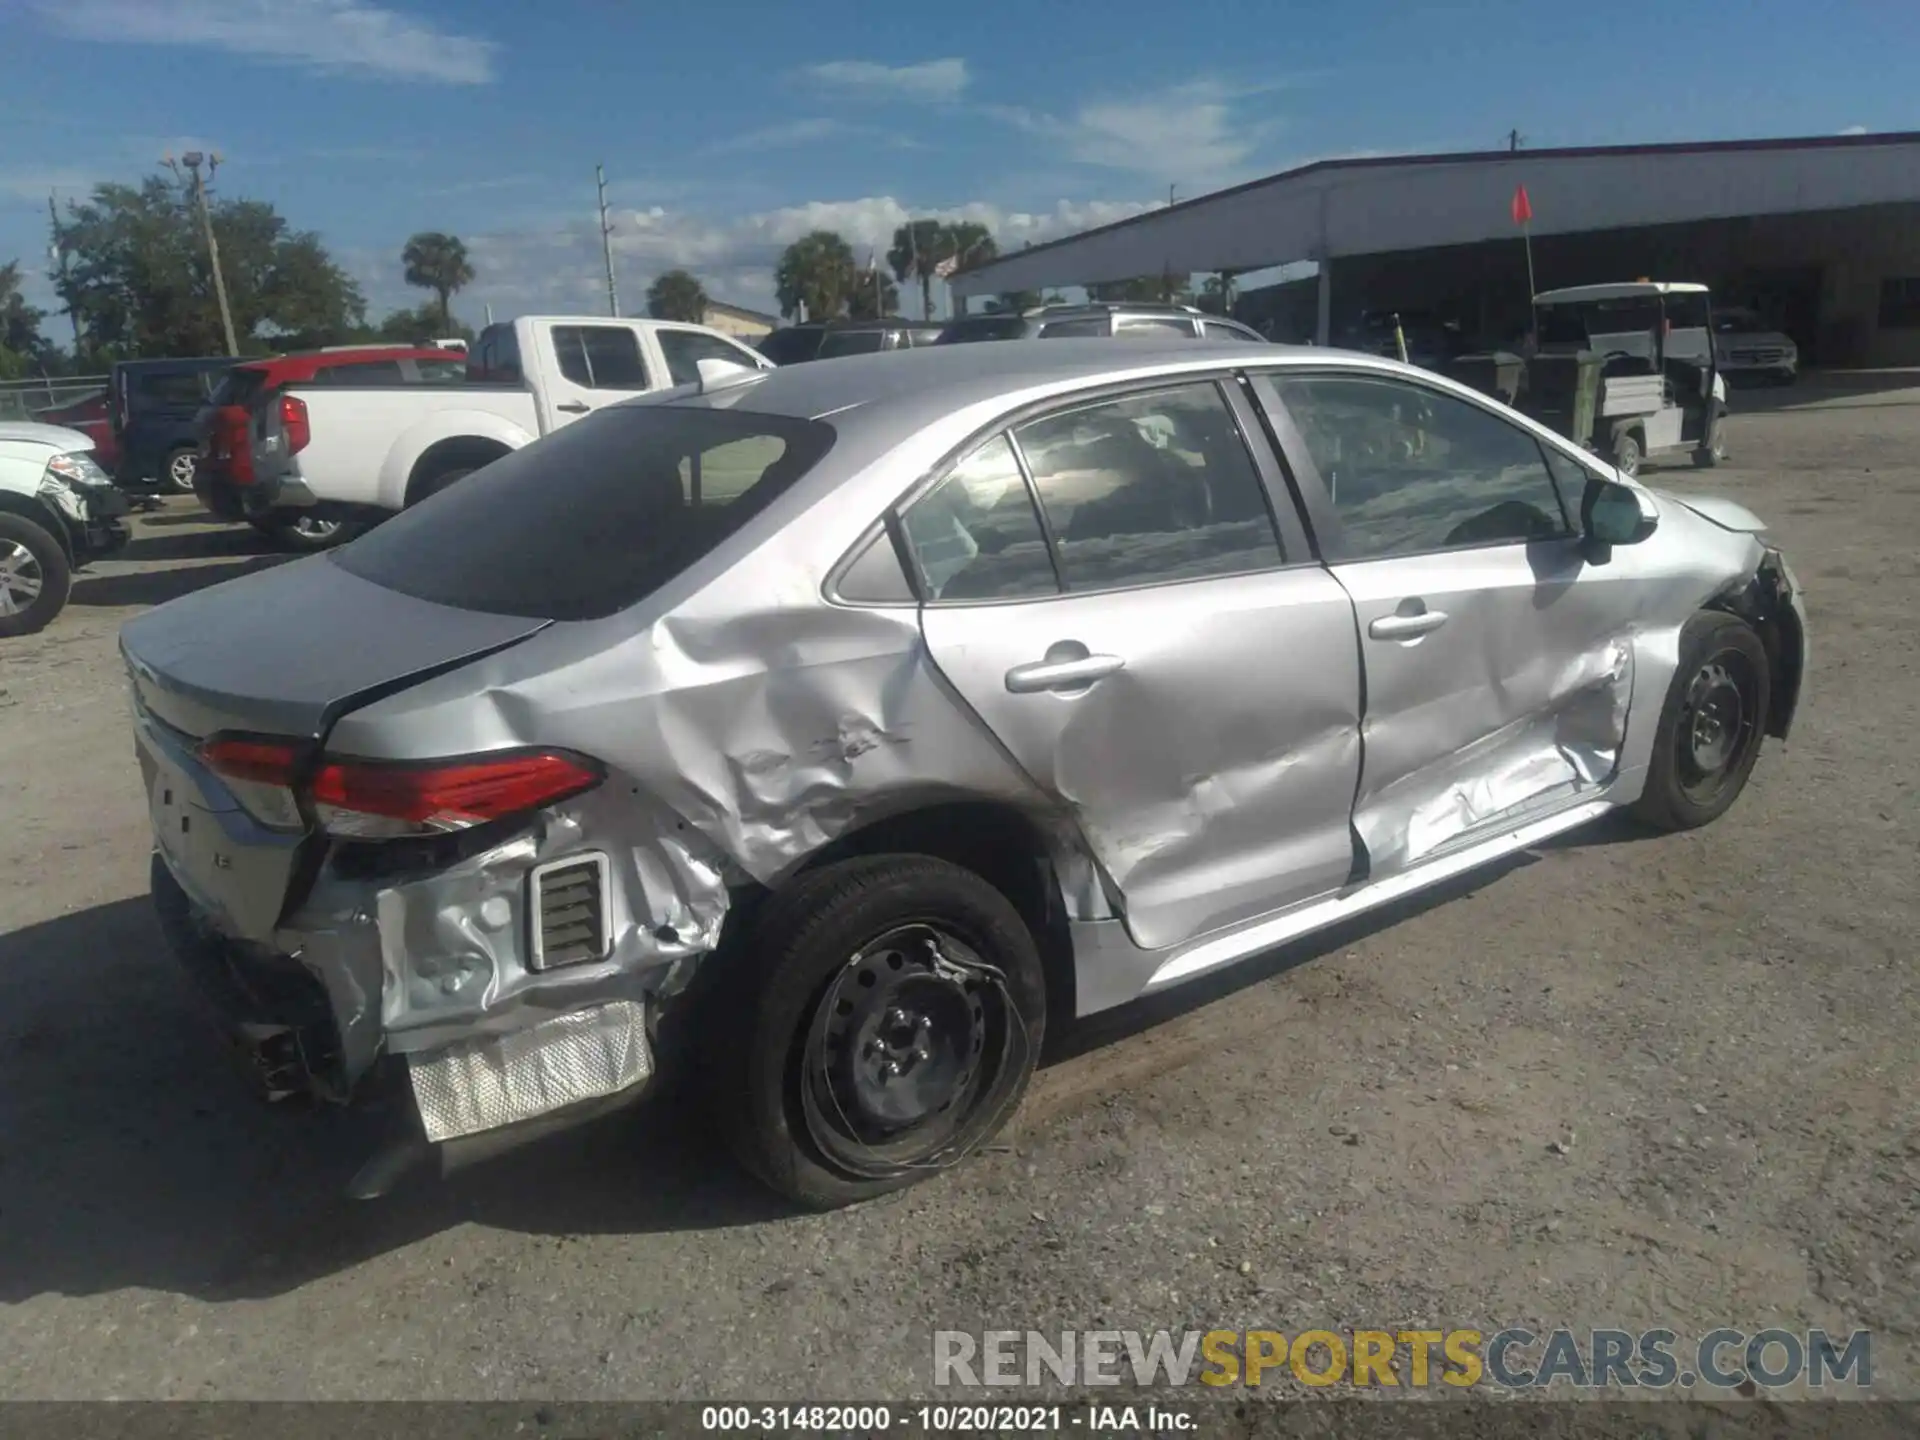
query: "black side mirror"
1613, 514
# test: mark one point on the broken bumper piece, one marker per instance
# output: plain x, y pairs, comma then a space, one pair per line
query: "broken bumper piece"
493, 1081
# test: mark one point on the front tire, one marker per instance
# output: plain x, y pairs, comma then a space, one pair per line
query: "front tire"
1627, 456
178, 469
1714, 452
1711, 725
885, 1022
35, 578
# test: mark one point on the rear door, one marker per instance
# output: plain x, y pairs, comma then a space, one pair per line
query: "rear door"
1112, 589
1498, 663
588, 364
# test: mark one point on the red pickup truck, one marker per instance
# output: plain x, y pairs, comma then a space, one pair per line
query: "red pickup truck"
245, 399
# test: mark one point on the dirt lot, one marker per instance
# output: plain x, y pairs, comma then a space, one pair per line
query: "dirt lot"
1719, 1028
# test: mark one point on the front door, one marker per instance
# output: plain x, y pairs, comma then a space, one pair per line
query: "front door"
1498, 662
589, 365
1186, 689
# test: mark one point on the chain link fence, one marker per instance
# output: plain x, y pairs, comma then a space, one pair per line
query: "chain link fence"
25, 399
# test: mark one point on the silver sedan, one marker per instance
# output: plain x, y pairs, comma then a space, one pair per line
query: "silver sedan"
830, 734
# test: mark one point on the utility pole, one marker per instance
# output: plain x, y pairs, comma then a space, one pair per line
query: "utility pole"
59, 256
193, 160
1514, 140
606, 242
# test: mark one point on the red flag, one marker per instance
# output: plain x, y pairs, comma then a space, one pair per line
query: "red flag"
1522, 207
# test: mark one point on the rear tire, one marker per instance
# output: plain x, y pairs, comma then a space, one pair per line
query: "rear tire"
35, 578
1627, 456
844, 1060
178, 470
217, 498
430, 485
1711, 725
1714, 452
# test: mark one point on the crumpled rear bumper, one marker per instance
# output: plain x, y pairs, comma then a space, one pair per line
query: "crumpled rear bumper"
469, 1096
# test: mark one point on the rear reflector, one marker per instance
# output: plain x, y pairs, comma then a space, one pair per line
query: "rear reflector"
380, 799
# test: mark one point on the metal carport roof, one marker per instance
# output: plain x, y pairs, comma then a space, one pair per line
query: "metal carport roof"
1368, 206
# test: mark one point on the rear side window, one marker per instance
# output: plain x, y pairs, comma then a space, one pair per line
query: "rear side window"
593, 518
239, 385
1219, 330
441, 372
172, 387
1003, 327
600, 357
1075, 329
853, 342
1153, 325
685, 349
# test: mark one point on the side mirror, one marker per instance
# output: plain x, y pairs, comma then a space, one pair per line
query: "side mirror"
1613, 514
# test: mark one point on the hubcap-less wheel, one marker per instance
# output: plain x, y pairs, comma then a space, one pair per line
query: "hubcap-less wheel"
180, 471
21, 579
316, 530
1716, 724
903, 1051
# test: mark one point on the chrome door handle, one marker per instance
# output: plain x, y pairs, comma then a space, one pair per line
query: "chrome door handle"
1061, 674
1407, 627
574, 407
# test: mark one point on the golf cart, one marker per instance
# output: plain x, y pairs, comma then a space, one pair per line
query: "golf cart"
1629, 371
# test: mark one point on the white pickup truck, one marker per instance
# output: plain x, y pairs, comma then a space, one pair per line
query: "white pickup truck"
329, 460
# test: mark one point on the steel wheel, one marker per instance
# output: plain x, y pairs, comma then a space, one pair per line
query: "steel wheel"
1717, 725
21, 578
904, 1048
313, 529
180, 468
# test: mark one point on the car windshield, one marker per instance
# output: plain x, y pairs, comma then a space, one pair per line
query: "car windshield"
1578, 323
996, 327
593, 518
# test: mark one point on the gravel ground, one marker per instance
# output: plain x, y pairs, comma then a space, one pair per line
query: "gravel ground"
1716, 1030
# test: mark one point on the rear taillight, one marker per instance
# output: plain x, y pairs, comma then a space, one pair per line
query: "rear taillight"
294, 424
390, 800
260, 773
233, 440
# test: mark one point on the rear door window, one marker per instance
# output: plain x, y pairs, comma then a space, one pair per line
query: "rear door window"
685, 349
593, 518
1071, 329
601, 357
172, 388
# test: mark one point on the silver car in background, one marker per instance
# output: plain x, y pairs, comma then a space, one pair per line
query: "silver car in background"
830, 734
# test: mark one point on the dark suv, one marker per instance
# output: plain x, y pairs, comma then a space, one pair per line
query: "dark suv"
153, 405
1097, 319
793, 344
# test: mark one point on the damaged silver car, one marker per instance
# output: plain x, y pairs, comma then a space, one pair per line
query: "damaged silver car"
826, 735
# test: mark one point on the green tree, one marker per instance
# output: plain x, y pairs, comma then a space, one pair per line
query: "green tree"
417, 327
677, 295
970, 244
873, 295
21, 343
917, 250
815, 272
438, 263
139, 281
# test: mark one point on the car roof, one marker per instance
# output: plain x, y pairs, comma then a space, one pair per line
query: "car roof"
1627, 291
906, 389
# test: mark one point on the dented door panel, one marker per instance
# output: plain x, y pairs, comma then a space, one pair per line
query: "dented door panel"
1517, 700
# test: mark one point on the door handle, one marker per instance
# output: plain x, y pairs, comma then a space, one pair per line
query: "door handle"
1407, 627
574, 407
1061, 674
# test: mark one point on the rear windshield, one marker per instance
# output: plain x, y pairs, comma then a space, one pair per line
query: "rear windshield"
595, 517
1009, 327
788, 347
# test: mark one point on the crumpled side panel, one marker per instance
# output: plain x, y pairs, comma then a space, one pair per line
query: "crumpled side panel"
1568, 740
496, 1080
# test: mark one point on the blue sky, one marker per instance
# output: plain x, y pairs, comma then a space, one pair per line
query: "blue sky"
729, 130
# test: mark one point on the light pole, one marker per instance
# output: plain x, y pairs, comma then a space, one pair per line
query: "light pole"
193, 160
606, 241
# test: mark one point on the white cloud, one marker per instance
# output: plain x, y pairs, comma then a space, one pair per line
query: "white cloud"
782, 137
560, 270
1195, 135
929, 80
1854, 130
352, 37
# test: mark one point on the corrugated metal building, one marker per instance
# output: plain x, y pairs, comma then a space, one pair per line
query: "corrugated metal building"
1821, 235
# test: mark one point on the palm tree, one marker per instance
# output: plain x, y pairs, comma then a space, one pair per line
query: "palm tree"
677, 295
874, 295
438, 263
816, 272
918, 248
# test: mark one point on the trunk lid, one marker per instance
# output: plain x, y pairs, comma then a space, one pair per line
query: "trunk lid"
282, 653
